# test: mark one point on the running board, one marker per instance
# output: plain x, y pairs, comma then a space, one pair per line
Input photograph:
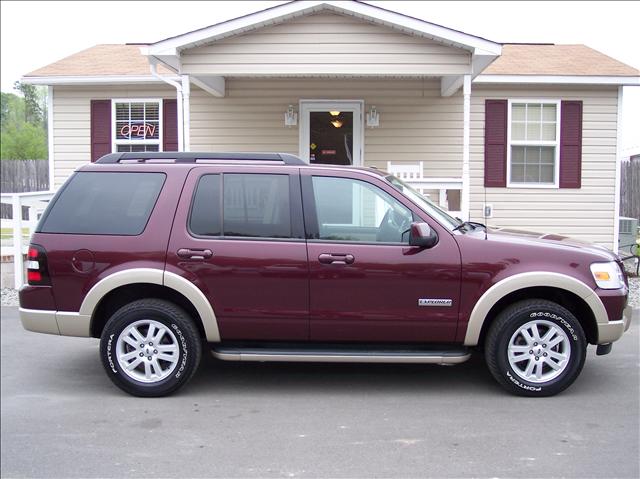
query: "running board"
342, 355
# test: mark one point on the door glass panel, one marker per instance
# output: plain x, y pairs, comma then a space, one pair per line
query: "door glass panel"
256, 205
331, 137
353, 210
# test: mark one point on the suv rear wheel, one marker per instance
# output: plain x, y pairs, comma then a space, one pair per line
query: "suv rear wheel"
535, 348
150, 347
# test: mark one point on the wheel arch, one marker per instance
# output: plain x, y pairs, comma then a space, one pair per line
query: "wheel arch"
563, 289
121, 287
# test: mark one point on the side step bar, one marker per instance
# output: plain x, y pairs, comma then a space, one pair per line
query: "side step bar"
340, 355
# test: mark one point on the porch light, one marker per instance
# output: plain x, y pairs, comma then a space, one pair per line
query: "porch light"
337, 123
373, 117
290, 117
334, 113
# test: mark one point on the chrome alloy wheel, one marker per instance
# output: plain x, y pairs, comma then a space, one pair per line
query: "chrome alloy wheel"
147, 351
539, 351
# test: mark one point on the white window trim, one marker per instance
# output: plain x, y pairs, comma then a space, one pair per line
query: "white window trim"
556, 143
115, 141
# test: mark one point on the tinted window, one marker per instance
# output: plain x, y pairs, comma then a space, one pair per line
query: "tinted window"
257, 205
104, 203
353, 210
205, 212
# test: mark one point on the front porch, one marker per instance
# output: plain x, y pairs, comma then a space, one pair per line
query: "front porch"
422, 137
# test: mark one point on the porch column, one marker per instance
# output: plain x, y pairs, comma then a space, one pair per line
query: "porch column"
186, 113
466, 126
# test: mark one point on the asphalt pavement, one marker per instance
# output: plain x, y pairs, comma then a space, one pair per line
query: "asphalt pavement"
62, 417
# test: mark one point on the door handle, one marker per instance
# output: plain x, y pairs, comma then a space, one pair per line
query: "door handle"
188, 253
336, 258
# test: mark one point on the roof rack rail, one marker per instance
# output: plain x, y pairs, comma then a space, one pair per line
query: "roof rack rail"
195, 157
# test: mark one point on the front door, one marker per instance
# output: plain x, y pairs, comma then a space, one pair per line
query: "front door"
366, 282
331, 132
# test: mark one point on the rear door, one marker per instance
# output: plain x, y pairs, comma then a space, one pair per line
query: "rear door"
239, 236
366, 282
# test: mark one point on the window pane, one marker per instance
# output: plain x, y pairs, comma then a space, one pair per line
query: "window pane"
257, 205
517, 131
104, 203
518, 112
549, 131
534, 113
353, 210
547, 154
549, 113
533, 131
547, 174
532, 164
137, 111
136, 148
532, 173
517, 173
205, 212
517, 154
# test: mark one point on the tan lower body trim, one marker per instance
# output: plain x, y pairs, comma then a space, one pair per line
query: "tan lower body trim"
613, 330
55, 322
39, 321
340, 358
74, 324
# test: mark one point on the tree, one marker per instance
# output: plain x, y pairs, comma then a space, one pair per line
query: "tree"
23, 142
23, 130
34, 104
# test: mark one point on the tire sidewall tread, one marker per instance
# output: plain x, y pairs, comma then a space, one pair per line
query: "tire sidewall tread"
180, 324
505, 325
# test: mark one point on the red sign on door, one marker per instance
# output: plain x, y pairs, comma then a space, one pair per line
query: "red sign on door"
328, 152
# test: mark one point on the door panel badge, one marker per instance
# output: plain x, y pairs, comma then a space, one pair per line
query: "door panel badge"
435, 302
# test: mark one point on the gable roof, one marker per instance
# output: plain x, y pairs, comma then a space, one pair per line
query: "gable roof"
355, 8
565, 60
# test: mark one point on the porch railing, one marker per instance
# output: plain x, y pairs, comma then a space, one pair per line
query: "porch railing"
16, 232
413, 175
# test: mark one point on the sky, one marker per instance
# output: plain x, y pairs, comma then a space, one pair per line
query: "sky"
34, 34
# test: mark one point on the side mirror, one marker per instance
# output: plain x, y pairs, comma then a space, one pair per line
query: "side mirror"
422, 235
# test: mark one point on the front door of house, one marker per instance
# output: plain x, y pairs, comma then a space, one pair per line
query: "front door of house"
331, 132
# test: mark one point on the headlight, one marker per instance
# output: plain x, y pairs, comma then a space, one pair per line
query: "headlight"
607, 275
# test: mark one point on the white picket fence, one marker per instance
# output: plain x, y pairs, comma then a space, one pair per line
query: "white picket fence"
16, 242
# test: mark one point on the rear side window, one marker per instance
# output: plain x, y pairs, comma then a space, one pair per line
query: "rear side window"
104, 204
253, 206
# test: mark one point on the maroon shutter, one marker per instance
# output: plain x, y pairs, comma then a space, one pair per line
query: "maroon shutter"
495, 143
169, 125
571, 144
100, 128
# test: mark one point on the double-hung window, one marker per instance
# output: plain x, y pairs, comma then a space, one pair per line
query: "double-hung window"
136, 125
534, 151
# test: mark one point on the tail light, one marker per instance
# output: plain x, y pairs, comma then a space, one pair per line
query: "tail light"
37, 269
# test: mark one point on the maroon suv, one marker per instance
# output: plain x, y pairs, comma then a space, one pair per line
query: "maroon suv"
261, 257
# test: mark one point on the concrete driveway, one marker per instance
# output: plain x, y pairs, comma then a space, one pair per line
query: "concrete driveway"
62, 417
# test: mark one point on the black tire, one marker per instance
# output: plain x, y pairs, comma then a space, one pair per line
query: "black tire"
181, 331
507, 326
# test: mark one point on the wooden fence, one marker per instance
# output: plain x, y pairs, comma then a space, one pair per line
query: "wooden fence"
19, 176
630, 189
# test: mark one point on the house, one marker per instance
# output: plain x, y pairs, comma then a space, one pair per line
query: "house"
519, 136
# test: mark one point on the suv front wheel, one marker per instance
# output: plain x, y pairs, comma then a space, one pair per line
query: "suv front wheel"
535, 348
150, 347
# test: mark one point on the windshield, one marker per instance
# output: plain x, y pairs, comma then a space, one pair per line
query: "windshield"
425, 203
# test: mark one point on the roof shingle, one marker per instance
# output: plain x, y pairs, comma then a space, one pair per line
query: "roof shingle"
564, 60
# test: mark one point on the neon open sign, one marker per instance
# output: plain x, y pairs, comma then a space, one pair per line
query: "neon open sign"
142, 130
